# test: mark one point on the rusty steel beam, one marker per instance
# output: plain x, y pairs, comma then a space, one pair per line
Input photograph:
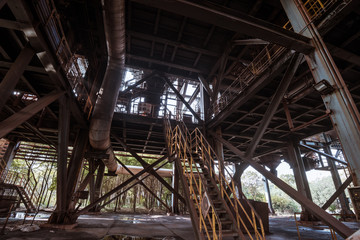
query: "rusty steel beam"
255, 41
337, 193
344, 115
37, 40
315, 120
75, 164
274, 104
140, 181
240, 22
58, 215
338, 226
254, 88
205, 84
176, 44
324, 154
9, 124
34, 130
165, 63
2, 3
182, 99
145, 164
132, 185
108, 194
12, 77
4, 23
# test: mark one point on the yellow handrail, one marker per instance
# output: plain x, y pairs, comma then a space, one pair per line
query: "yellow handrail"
178, 143
207, 155
182, 142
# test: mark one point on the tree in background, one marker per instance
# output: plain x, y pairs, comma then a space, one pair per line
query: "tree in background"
253, 186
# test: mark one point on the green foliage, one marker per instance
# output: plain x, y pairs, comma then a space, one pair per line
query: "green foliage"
252, 184
321, 190
284, 204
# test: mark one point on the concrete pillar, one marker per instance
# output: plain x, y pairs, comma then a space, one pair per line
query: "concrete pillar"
344, 113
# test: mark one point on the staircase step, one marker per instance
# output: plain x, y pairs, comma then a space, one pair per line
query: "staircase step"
224, 221
225, 233
220, 210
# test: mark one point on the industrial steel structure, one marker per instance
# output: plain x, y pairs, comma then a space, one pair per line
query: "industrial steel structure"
208, 86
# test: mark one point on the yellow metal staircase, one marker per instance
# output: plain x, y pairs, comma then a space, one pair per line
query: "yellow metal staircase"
217, 209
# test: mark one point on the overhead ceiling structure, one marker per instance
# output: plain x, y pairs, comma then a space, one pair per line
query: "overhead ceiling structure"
238, 70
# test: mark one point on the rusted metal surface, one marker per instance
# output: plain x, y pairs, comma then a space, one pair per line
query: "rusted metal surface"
297, 196
23, 115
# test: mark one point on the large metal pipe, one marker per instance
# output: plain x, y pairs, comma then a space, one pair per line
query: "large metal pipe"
99, 133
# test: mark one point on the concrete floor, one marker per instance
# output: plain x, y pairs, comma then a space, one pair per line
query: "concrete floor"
149, 226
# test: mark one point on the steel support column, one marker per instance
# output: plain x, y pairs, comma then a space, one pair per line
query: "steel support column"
75, 166
219, 150
345, 115
297, 163
59, 214
175, 185
98, 183
12, 77
345, 209
8, 157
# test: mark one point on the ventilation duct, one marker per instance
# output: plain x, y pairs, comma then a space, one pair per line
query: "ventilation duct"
99, 133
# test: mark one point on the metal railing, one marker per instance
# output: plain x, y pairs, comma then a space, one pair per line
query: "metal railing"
19, 180
311, 224
271, 52
51, 23
183, 142
178, 143
227, 187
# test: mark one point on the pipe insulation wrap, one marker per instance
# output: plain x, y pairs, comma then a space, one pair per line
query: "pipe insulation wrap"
100, 125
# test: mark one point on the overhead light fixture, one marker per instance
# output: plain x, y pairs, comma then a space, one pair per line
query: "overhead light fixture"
324, 87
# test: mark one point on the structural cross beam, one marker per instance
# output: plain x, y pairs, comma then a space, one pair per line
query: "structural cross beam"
339, 227
140, 181
337, 193
183, 99
145, 164
116, 189
274, 104
324, 154
9, 124
240, 22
